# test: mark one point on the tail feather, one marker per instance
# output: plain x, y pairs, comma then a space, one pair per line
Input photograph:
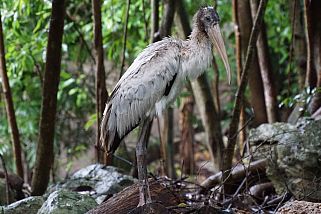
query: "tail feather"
110, 139
105, 132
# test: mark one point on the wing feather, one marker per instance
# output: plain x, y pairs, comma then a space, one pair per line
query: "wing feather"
136, 93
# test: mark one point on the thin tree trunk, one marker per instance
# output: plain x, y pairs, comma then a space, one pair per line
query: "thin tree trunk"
266, 70
45, 153
167, 143
10, 107
154, 20
233, 128
238, 53
124, 40
313, 30
101, 92
299, 41
186, 147
255, 81
311, 77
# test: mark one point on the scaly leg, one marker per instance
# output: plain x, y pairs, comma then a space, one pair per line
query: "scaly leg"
141, 148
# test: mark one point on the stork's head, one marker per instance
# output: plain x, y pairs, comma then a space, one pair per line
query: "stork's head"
207, 22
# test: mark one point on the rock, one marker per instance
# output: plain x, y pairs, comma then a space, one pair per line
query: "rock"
97, 180
29, 205
293, 154
299, 207
67, 202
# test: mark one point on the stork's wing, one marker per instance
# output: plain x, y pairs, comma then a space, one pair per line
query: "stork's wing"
141, 86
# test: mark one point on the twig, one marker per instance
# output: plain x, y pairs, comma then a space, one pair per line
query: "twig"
7, 180
124, 40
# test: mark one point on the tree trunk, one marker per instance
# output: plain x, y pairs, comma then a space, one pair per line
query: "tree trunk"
299, 42
10, 107
255, 80
45, 153
313, 30
101, 92
266, 70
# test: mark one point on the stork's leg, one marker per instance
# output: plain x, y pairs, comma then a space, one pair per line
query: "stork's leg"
144, 194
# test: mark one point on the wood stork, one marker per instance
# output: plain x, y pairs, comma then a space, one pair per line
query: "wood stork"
154, 80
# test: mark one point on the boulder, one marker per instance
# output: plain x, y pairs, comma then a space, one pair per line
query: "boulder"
29, 205
96, 180
294, 156
67, 202
299, 207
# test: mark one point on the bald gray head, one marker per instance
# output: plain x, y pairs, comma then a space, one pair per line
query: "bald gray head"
205, 18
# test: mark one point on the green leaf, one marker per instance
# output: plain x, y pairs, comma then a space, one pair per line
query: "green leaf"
92, 120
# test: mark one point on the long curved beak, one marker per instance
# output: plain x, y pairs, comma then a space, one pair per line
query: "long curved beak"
215, 36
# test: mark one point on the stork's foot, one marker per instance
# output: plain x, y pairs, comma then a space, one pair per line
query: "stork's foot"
152, 207
146, 205
144, 193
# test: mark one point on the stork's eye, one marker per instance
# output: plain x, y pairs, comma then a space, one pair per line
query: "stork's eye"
207, 18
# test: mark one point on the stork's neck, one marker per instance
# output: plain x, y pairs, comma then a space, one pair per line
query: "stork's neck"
197, 55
